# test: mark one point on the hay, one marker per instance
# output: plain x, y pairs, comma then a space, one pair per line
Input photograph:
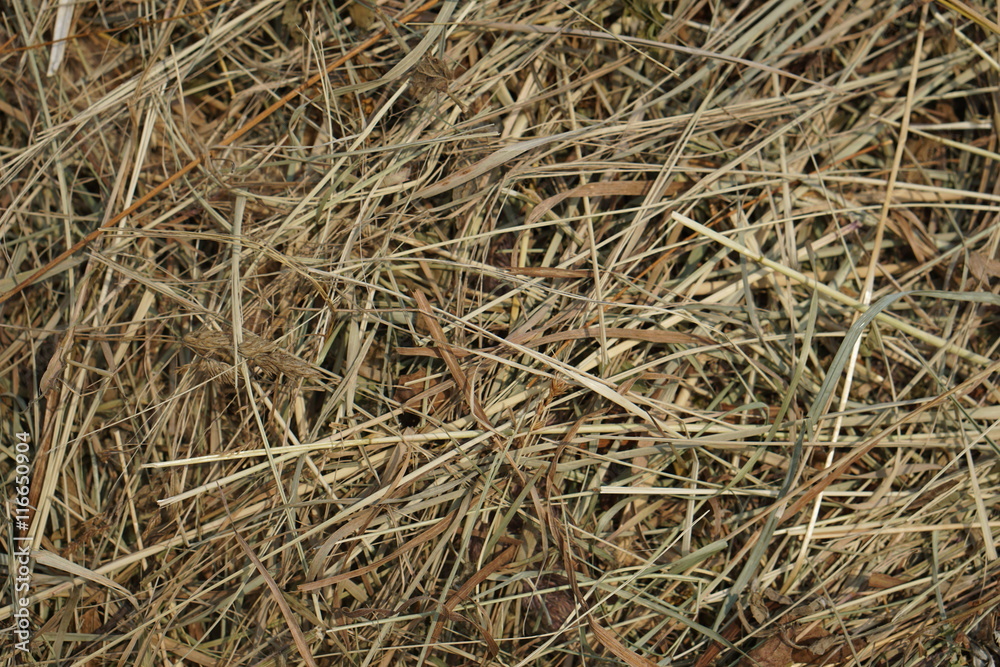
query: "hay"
501, 333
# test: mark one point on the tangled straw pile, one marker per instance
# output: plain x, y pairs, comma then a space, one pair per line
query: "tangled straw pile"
512, 333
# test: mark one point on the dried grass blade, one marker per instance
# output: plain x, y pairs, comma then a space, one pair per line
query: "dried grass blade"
279, 599
546, 272
437, 333
496, 159
830, 475
427, 535
840, 297
972, 14
646, 335
49, 559
627, 188
479, 577
610, 642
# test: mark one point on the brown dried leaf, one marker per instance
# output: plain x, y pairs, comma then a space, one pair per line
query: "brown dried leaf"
407, 386
552, 607
53, 372
907, 225
775, 596
983, 268
430, 75
823, 645
774, 652
758, 608
815, 647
